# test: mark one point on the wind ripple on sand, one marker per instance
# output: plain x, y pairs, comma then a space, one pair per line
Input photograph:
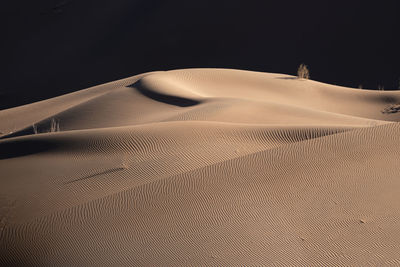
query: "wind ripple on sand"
203, 167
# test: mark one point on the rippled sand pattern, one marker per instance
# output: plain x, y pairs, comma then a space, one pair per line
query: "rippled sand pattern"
202, 167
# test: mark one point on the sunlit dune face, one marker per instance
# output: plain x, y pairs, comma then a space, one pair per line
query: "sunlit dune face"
202, 167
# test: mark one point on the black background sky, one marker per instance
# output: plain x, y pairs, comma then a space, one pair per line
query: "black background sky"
52, 47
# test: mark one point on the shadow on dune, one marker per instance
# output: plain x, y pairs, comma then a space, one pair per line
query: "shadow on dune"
165, 98
43, 126
26, 131
388, 99
24, 147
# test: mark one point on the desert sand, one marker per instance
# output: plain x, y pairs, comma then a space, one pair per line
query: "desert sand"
202, 167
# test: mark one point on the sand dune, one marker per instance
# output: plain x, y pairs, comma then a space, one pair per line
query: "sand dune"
202, 167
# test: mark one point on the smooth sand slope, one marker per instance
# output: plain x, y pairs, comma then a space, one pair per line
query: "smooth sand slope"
202, 167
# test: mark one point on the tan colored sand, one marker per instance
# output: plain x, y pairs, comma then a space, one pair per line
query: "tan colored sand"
202, 167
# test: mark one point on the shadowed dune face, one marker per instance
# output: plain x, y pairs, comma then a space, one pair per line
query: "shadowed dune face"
202, 167
171, 94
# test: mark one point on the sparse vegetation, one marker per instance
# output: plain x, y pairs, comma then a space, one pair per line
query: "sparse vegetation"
303, 72
53, 127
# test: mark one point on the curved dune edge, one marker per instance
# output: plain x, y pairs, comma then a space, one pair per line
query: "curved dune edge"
202, 167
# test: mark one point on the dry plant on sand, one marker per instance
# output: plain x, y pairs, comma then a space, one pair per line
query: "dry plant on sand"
54, 127
303, 72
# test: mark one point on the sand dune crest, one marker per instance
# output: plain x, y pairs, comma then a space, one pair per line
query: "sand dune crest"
202, 167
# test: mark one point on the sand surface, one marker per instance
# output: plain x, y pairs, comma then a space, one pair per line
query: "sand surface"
202, 167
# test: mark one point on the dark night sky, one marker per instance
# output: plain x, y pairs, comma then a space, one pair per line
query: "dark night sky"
52, 47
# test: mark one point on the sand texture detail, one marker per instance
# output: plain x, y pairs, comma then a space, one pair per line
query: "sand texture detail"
202, 167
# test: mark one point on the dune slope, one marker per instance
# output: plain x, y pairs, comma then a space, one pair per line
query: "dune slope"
202, 167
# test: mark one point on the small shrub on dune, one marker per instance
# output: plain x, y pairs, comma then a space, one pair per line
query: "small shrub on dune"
303, 72
53, 127
35, 129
